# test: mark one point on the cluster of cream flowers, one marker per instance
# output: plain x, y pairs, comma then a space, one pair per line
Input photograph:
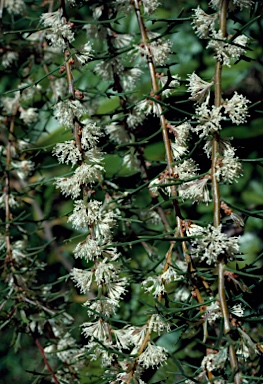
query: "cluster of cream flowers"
225, 50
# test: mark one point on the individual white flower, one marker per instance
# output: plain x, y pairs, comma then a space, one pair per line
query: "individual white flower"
215, 360
67, 350
186, 169
15, 7
150, 6
181, 133
224, 147
66, 111
193, 229
23, 168
97, 352
237, 109
105, 307
84, 54
23, 145
85, 214
203, 23
103, 226
106, 272
130, 77
120, 40
94, 156
163, 178
213, 243
67, 152
107, 69
242, 3
57, 32
158, 325
122, 339
116, 289
131, 161
29, 90
18, 251
9, 58
137, 336
69, 186
147, 107
124, 6
88, 249
178, 150
95, 31
228, 169
237, 310
213, 312
209, 119
232, 4
226, 52
12, 202
60, 89
135, 119
195, 190
248, 348
174, 82
182, 294
90, 134
161, 49
199, 89
171, 274
88, 173
154, 285
150, 216
98, 330
157, 50
29, 115
10, 105
152, 356
117, 133
82, 278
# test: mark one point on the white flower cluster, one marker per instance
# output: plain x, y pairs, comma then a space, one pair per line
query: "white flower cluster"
67, 111
8, 58
58, 32
225, 51
232, 4
179, 147
195, 190
213, 312
203, 23
212, 243
199, 89
150, 6
157, 49
84, 54
14, 7
215, 361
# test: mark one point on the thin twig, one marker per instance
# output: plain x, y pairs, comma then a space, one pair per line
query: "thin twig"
216, 193
44, 356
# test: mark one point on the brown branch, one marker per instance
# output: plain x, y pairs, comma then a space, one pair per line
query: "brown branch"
216, 193
44, 356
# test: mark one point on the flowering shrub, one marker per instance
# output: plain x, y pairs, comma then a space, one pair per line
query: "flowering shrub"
123, 208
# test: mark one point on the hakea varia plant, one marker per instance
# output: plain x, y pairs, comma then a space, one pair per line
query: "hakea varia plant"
177, 289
